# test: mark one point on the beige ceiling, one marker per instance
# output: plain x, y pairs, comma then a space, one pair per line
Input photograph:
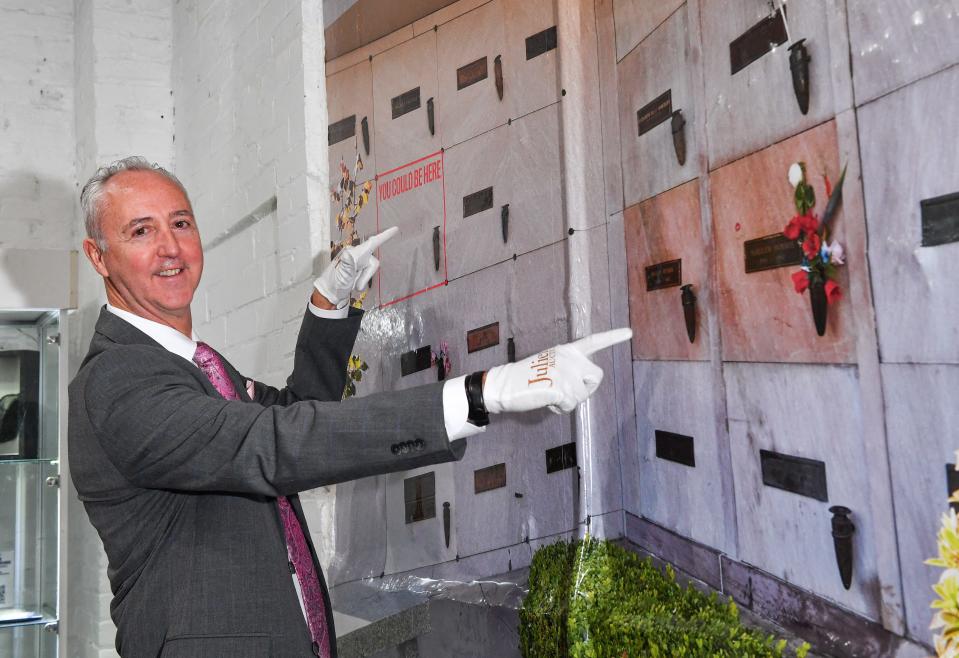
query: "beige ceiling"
368, 20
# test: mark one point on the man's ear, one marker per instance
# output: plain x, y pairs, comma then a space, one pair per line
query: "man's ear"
95, 255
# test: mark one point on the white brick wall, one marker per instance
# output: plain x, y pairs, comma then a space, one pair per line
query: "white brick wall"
36, 124
240, 82
89, 81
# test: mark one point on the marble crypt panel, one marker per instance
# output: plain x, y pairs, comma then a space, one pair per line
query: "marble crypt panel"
404, 84
756, 105
411, 198
350, 133
636, 19
680, 470
665, 253
762, 317
895, 42
470, 64
922, 423
911, 181
657, 114
501, 193
796, 443
531, 60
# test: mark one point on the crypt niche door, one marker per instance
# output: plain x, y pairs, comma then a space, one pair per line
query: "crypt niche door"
421, 503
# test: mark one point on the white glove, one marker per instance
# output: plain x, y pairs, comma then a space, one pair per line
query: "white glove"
351, 270
558, 378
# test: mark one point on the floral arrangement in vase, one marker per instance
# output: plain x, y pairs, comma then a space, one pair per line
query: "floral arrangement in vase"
946, 618
820, 256
351, 199
441, 361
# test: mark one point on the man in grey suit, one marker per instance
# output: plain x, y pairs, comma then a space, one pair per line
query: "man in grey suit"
189, 471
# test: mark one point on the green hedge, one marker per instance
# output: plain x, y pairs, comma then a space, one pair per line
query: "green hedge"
593, 599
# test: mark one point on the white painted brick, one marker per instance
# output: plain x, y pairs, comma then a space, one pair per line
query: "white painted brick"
106, 633
292, 301
241, 325
288, 30
212, 332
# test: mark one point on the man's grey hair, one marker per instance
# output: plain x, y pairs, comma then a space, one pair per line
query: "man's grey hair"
92, 193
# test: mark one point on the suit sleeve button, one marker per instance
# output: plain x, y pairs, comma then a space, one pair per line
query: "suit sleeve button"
395, 449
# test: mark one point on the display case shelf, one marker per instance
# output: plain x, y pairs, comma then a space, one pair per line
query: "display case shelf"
41, 620
46, 460
31, 378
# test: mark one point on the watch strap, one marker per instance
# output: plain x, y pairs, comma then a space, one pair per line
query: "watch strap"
478, 415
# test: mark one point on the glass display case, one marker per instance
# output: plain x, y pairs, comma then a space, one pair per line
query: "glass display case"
30, 502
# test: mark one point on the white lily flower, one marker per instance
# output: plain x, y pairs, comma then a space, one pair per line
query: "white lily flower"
795, 174
837, 255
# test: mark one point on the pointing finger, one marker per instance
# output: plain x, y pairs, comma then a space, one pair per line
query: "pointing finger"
596, 342
372, 244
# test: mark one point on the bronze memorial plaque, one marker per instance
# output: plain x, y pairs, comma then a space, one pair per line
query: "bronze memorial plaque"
561, 457
758, 40
940, 220
340, 130
675, 448
664, 275
477, 202
770, 252
471, 73
541, 42
482, 337
806, 477
419, 496
405, 102
655, 112
415, 360
489, 478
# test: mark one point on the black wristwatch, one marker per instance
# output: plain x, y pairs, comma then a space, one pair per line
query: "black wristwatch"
474, 395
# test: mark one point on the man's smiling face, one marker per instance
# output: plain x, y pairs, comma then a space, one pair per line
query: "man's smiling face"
153, 257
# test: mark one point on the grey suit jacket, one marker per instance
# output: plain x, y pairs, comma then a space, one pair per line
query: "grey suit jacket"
180, 483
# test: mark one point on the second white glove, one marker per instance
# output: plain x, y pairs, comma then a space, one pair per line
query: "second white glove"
351, 270
559, 378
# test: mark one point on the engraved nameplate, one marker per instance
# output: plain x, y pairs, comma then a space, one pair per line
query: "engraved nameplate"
952, 483
477, 202
675, 448
540, 43
342, 129
757, 41
770, 252
471, 73
482, 337
940, 220
489, 478
806, 477
415, 361
406, 102
664, 275
655, 112
561, 457
419, 496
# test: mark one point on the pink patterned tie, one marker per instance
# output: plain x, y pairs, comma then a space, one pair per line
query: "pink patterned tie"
299, 552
